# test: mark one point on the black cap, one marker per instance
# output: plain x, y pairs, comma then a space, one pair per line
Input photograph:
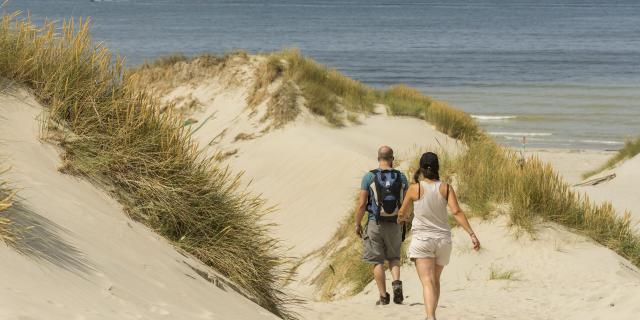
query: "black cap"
429, 159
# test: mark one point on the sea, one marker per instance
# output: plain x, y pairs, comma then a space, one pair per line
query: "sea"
562, 73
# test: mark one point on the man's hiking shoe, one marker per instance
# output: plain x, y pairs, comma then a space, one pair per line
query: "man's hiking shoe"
398, 297
384, 300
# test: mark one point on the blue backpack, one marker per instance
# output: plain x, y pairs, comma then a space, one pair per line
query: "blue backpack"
387, 193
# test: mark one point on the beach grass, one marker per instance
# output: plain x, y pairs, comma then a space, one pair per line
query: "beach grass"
117, 137
496, 273
631, 148
326, 92
338, 98
402, 100
345, 274
159, 76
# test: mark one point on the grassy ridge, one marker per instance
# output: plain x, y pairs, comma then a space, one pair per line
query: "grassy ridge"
117, 137
406, 101
326, 92
631, 148
487, 175
166, 73
338, 98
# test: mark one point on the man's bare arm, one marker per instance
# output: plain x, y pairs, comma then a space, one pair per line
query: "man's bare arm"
360, 209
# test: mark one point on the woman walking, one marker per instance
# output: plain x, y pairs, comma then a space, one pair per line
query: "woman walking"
431, 235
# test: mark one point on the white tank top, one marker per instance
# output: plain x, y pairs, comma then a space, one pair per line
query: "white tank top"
430, 217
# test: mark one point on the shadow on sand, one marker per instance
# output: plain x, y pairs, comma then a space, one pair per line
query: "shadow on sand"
40, 238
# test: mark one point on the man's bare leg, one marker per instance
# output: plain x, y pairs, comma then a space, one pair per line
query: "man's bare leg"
378, 275
395, 269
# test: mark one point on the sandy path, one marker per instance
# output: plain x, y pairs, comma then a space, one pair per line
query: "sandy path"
82, 258
559, 275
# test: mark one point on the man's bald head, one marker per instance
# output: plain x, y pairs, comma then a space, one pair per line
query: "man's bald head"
385, 153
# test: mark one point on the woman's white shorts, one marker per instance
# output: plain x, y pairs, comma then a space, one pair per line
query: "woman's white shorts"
429, 247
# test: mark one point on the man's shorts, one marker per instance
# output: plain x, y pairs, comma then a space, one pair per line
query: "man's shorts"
428, 247
382, 242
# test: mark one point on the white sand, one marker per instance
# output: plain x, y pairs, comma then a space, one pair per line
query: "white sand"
86, 259
572, 164
622, 191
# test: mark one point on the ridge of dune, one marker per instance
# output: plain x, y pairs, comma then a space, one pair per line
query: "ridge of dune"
81, 257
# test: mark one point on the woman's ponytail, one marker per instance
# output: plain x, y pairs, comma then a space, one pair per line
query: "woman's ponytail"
429, 173
416, 176
432, 173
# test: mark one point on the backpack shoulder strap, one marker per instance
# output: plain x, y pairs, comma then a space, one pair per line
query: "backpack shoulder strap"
374, 186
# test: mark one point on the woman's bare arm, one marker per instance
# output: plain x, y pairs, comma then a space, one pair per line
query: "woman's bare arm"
409, 198
458, 214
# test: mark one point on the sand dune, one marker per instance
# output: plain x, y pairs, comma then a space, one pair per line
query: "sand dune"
86, 260
81, 257
310, 171
621, 191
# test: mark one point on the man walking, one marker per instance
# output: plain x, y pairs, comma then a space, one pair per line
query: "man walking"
381, 194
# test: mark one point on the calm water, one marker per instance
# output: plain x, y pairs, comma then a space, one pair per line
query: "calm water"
566, 73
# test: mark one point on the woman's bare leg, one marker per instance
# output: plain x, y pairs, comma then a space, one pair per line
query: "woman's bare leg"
426, 268
438, 271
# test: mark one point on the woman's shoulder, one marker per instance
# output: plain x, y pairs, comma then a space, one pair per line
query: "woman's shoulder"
413, 187
445, 188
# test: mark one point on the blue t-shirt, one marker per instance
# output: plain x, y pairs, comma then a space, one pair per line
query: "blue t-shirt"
367, 180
